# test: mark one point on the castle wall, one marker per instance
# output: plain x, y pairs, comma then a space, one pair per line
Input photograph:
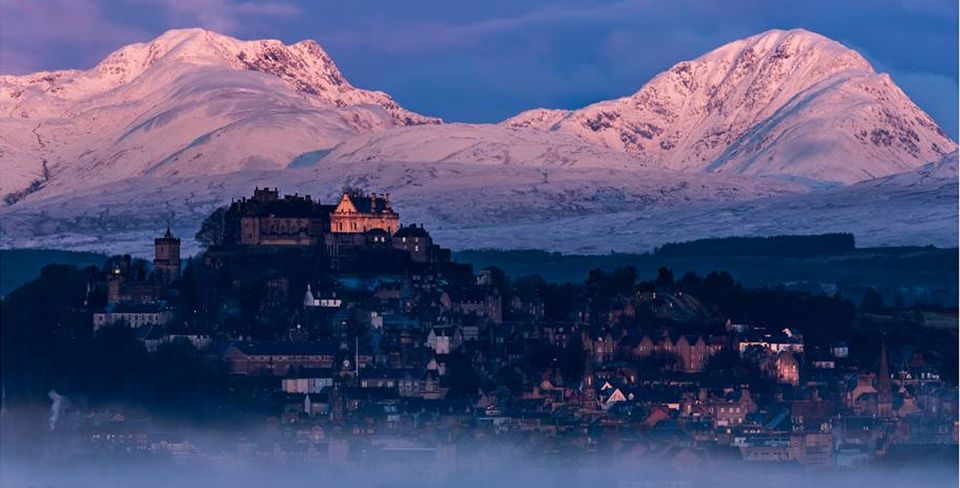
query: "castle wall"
360, 222
280, 231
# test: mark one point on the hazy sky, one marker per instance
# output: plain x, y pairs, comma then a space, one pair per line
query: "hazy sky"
485, 60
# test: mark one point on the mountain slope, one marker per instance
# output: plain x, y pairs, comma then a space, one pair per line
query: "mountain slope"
790, 103
566, 208
165, 131
918, 207
122, 215
189, 102
479, 143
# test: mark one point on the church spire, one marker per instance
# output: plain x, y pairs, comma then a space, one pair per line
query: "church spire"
587, 389
884, 389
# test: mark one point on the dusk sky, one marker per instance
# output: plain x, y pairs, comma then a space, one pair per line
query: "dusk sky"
484, 61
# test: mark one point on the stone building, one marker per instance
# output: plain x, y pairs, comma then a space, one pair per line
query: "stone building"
693, 352
166, 257
358, 213
415, 240
279, 358
786, 368
133, 315
269, 220
358, 225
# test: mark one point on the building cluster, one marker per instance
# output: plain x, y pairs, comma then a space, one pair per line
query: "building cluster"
390, 340
357, 221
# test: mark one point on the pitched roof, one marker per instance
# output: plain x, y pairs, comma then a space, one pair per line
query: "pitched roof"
369, 203
285, 348
412, 231
292, 206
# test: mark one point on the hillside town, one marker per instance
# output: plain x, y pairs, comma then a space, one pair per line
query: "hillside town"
343, 337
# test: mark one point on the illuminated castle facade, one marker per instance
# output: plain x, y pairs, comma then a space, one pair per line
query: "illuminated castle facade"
358, 222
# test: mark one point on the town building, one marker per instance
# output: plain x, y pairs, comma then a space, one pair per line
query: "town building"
134, 315
279, 358
166, 257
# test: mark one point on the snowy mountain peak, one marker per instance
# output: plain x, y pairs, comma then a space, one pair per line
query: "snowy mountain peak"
790, 103
304, 66
190, 101
788, 43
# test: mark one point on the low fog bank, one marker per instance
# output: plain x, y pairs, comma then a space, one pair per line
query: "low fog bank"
41, 447
504, 473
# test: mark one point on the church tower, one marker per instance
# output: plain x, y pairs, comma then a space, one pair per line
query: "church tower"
884, 388
166, 257
588, 392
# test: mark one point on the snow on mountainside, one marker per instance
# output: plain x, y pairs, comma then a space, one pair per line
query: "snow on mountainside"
190, 102
479, 143
121, 216
918, 207
560, 208
790, 103
166, 131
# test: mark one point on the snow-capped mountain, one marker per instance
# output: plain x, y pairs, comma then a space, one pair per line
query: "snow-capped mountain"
165, 131
790, 103
188, 102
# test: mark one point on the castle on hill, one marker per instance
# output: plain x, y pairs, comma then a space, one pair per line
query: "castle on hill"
358, 221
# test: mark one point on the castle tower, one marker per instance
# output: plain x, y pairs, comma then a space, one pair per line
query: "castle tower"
166, 257
884, 388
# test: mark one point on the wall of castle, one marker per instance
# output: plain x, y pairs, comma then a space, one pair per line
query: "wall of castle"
280, 231
360, 222
418, 247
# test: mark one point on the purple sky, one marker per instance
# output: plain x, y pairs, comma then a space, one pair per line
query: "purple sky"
495, 58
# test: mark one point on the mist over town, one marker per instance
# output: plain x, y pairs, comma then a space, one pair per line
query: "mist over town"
251, 243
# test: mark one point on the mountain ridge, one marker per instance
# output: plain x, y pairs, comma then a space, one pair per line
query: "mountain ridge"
780, 102
168, 129
188, 102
